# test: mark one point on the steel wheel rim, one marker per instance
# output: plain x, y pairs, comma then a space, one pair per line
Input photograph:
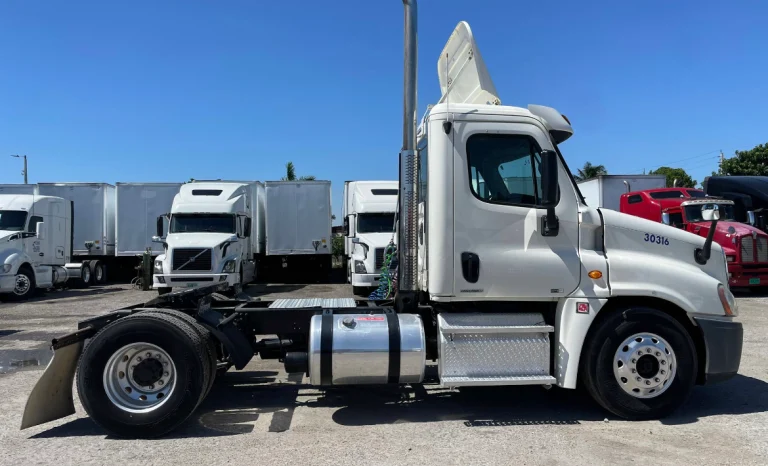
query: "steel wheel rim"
99, 273
644, 365
22, 285
128, 388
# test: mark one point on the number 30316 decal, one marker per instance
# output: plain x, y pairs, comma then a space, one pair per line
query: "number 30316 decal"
658, 239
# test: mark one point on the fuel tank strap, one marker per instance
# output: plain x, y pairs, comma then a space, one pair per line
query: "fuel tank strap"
393, 322
326, 347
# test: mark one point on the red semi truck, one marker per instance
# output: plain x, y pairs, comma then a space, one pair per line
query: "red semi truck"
746, 247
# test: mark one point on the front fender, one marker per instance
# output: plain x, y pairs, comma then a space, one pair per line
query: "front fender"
13, 256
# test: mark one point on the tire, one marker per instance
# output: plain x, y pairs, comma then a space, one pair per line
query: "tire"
211, 355
162, 291
652, 333
25, 285
184, 351
86, 278
98, 272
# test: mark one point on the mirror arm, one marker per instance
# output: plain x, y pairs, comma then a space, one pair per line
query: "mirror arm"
702, 254
550, 224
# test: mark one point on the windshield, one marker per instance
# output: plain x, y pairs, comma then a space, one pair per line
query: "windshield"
200, 223
12, 220
696, 193
693, 212
376, 223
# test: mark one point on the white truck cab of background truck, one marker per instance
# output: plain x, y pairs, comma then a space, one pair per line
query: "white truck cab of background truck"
35, 244
369, 220
215, 235
505, 277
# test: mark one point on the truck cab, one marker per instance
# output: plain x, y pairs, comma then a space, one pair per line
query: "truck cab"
749, 194
210, 236
745, 247
369, 227
35, 244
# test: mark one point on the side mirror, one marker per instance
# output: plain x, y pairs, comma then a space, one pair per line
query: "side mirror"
549, 170
665, 218
247, 228
157, 239
710, 212
346, 225
751, 217
40, 230
159, 227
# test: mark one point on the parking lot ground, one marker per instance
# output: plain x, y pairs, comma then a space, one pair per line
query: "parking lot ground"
263, 416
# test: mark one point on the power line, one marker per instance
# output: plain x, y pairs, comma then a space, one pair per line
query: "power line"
669, 164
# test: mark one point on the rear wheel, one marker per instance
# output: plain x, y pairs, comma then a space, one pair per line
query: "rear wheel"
98, 272
24, 285
142, 375
639, 364
86, 277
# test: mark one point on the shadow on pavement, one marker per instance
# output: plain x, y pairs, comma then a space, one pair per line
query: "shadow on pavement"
41, 297
238, 400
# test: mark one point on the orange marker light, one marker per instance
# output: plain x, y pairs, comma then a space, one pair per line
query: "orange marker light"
595, 274
724, 300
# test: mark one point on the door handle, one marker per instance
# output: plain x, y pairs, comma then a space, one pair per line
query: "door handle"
41, 254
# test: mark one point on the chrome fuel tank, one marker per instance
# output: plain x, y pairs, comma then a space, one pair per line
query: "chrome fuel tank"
350, 349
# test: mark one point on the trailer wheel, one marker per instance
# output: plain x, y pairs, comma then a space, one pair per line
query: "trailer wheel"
98, 272
142, 375
639, 364
24, 285
211, 355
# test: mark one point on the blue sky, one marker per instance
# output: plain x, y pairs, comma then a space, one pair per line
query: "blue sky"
165, 91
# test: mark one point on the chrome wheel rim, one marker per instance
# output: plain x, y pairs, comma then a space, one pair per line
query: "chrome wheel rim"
86, 274
139, 377
99, 273
644, 365
22, 285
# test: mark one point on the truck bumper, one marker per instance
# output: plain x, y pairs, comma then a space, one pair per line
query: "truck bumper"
365, 279
723, 341
193, 281
7, 283
740, 277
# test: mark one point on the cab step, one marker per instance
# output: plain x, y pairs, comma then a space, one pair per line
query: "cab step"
477, 349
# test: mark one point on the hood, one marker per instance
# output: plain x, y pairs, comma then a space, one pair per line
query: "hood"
727, 229
197, 240
5, 234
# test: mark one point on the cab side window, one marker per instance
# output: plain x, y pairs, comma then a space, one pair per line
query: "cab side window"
32, 228
505, 169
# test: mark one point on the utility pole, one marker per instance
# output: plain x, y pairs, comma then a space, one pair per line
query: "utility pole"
25, 165
720, 165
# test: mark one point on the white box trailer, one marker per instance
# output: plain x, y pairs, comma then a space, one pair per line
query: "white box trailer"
138, 205
298, 217
605, 190
18, 189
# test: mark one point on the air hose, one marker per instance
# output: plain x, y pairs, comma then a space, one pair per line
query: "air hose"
388, 276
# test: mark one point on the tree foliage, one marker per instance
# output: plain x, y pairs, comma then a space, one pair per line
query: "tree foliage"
337, 246
747, 162
590, 171
684, 180
290, 174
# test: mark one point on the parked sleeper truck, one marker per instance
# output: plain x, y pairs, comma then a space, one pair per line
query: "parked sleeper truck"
749, 194
215, 236
745, 247
529, 286
36, 245
369, 226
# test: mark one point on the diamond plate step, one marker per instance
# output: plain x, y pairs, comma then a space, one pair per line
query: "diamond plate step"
484, 324
489, 381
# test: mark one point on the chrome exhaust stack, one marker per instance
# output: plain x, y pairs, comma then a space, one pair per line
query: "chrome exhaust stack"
408, 181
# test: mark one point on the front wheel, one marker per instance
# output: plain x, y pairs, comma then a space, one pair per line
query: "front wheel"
639, 364
24, 285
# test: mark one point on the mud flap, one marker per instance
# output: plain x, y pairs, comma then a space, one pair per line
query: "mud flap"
51, 398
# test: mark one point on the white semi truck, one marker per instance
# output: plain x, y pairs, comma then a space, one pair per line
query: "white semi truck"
215, 236
498, 286
368, 211
36, 245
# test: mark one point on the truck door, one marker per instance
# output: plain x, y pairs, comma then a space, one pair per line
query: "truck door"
500, 251
35, 246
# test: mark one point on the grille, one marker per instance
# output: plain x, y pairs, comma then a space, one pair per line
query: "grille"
201, 262
747, 249
762, 249
379, 258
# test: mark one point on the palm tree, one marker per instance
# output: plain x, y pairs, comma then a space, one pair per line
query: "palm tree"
589, 171
290, 174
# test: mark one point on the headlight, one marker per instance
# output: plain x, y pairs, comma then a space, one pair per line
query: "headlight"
360, 267
158, 266
229, 266
7, 268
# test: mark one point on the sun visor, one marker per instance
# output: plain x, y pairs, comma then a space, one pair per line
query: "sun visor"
559, 126
462, 72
